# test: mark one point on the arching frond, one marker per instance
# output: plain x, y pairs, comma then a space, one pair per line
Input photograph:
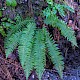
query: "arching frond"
65, 30
11, 42
52, 19
55, 54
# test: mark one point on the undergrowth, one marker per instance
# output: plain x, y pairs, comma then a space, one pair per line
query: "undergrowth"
32, 42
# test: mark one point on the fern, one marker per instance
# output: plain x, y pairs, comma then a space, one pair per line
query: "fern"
20, 23
60, 9
24, 48
32, 41
39, 49
2, 31
11, 42
16, 37
67, 32
53, 20
54, 53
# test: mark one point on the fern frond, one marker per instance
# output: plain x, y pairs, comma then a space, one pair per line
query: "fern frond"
65, 30
18, 26
2, 31
68, 8
39, 49
52, 19
60, 9
11, 42
54, 54
25, 46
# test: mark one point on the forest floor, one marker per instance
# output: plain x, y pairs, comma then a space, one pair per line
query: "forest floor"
10, 69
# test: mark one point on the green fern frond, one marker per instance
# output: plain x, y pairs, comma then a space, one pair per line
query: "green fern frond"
39, 49
50, 2
25, 41
21, 36
25, 46
2, 31
18, 26
65, 30
52, 19
60, 9
11, 42
7, 25
54, 53
68, 8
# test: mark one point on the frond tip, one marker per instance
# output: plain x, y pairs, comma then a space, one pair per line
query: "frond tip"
11, 42
66, 31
